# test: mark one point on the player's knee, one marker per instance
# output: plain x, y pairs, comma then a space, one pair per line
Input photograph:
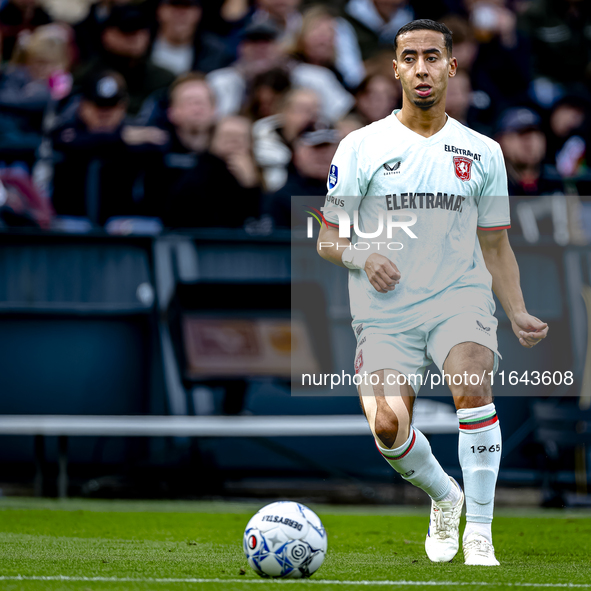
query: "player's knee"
389, 427
472, 396
472, 386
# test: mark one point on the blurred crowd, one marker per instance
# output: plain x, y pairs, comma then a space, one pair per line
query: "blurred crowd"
141, 115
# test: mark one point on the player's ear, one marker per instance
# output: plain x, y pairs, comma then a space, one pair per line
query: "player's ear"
453, 67
395, 66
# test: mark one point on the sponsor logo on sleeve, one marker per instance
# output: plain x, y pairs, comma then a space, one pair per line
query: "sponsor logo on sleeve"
333, 176
335, 201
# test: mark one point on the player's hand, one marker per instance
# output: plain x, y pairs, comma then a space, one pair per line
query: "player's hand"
382, 273
529, 329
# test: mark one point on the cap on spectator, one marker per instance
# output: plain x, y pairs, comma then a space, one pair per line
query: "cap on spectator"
518, 119
577, 98
316, 135
181, 2
105, 90
127, 18
260, 31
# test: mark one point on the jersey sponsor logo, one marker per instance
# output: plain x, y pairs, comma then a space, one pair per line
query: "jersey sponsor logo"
425, 201
462, 167
335, 201
482, 328
391, 169
463, 152
359, 362
333, 176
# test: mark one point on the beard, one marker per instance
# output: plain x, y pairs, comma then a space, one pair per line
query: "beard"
424, 104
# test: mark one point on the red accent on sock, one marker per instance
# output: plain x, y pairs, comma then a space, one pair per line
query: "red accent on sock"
472, 426
414, 436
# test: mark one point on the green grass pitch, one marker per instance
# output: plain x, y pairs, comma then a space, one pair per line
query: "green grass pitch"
135, 546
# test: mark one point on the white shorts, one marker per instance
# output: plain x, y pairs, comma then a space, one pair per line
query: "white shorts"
411, 352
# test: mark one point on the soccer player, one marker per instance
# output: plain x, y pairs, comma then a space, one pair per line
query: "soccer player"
423, 294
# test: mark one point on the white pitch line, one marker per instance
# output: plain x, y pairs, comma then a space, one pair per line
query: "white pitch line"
295, 581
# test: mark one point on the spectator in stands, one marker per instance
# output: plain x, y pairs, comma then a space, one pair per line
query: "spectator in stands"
232, 143
524, 147
125, 44
232, 16
37, 75
465, 49
318, 43
348, 124
560, 45
376, 22
465, 46
376, 97
89, 30
192, 187
569, 133
284, 14
495, 55
274, 136
313, 153
459, 103
267, 93
99, 157
259, 52
502, 67
21, 202
191, 114
17, 16
179, 45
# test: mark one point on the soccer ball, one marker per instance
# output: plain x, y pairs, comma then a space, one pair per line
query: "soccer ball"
285, 540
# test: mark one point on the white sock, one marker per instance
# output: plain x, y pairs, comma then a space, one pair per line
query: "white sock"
479, 528
453, 496
415, 462
480, 449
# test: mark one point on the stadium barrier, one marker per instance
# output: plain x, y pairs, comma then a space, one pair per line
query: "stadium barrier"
430, 417
95, 281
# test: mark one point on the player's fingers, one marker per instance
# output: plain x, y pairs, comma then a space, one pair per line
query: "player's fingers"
378, 284
392, 271
535, 336
526, 345
386, 271
531, 339
388, 282
531, 336
539, 325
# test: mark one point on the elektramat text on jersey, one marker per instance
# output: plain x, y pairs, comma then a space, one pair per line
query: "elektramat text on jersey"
424, 201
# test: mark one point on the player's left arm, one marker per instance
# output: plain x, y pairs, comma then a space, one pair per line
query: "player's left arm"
493, 221
501, 264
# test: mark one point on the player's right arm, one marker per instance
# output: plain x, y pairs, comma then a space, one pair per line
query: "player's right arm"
381, 271
347, 184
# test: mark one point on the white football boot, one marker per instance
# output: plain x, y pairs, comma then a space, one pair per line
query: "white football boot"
478, 551
443, 537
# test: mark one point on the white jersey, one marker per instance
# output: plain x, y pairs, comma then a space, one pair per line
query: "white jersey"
453, 182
